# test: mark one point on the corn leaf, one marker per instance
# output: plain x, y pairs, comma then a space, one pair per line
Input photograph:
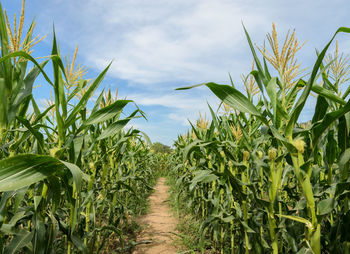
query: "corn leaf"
302, 100
23, 170
107, 113
21, 240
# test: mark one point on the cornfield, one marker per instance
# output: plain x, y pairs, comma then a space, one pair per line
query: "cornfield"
70, 176
258, 179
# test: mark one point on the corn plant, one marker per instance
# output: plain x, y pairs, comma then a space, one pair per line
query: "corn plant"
70, 176
260, 180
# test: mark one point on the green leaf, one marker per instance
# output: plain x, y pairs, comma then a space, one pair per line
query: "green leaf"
98, 102
325, 206
82, 103
344, 164
3, 104
202, 176
341, 189
232, 97
327, 83
77, 174
331, 148
107, 113
23, 170
271, 90
302, 99
16, 218
40, 237
25, 55
114, 128
247, 228
18, 242
320, 109
147, 138
319, 128
189, 148
327, 94
316, 240
343, 133
58, 93
3, 202
78, 145
26, 90
39, 137
256, 59
298, 219
79, 243
190, 87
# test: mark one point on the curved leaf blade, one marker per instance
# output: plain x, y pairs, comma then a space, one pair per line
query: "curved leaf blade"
26, 169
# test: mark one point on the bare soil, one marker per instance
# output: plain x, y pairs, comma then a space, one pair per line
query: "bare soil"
159, 224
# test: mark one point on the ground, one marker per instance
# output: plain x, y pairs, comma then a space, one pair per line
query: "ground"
159, 224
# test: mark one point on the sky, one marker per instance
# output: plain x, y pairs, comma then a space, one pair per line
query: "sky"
157, 46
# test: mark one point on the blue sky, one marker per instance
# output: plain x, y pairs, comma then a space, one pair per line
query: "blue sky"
157, 46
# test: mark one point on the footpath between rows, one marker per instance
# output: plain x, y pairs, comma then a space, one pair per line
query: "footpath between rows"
159, 224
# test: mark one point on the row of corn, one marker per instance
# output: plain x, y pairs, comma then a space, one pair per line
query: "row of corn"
259, 179
70, 176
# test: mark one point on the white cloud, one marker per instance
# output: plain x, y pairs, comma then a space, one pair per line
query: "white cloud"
183, 106
160, 41
178, 118
178, 100
158, 45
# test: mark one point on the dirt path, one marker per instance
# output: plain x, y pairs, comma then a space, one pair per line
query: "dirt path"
159, 224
